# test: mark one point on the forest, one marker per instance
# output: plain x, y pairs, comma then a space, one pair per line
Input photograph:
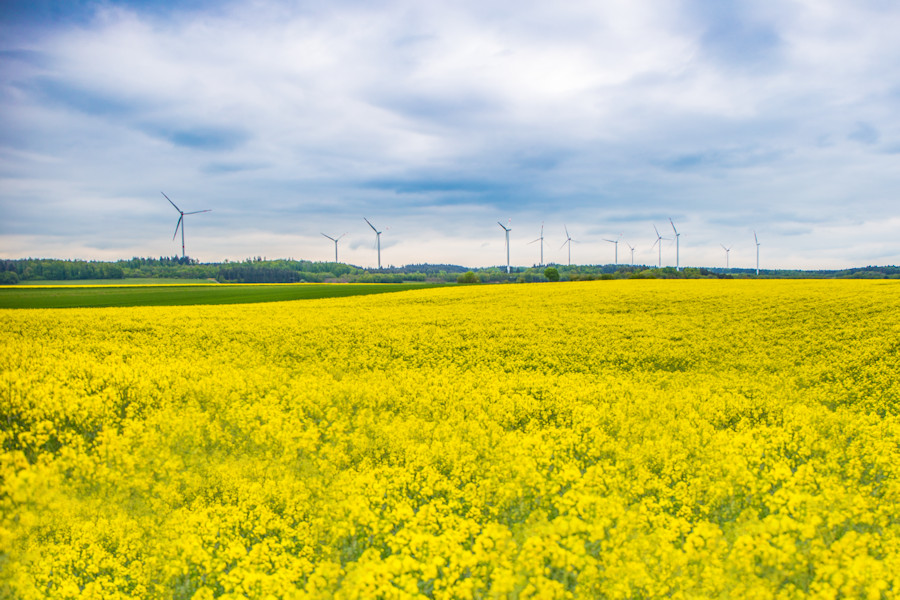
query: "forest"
259, 270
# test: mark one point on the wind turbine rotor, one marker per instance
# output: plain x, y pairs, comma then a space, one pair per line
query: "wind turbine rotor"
170, 202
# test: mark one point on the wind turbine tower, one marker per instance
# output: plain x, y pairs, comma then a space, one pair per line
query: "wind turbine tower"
181, 220
541, 240
677, 245
507, 230
377, 240
616, 242
658, 241
756, 239
727, 252
335, 240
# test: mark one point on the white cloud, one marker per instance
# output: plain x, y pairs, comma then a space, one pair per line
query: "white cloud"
443, 117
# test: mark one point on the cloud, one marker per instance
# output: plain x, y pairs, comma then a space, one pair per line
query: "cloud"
864, 133
201, 138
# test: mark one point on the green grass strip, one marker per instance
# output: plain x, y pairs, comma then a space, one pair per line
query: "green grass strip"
117, 282
177, 295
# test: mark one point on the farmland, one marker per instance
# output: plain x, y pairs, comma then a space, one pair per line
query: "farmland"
75, 296
614, 439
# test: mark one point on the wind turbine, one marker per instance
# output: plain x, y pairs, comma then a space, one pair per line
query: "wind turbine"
677, 245
659, 240
541, 240
616, 242
756, 239
568, 241
630, 247
181, 220
335, 240
377, 240
507, 230
727, 251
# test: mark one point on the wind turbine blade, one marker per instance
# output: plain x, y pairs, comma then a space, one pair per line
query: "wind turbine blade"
197, 212
170, 201
755, 239
657, 231
564, 244
370, 225
177, 225
567, 232
610, 241
673, 226
329, 237
342, 235
533, 241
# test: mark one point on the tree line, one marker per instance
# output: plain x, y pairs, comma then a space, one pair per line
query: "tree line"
260, 270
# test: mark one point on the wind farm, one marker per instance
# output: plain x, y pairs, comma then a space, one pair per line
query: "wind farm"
656, 244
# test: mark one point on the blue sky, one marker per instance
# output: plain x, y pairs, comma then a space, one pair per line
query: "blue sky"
435, 120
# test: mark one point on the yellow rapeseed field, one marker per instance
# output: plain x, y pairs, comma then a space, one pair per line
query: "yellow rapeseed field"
628, 439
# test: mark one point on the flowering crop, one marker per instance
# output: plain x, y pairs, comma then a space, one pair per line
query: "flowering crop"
600, 439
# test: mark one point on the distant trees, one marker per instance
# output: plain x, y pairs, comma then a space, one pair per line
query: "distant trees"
58, 270
260, 270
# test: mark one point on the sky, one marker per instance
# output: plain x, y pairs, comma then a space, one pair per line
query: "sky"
435, 120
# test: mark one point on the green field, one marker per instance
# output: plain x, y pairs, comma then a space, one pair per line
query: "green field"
119, 282
70, 296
